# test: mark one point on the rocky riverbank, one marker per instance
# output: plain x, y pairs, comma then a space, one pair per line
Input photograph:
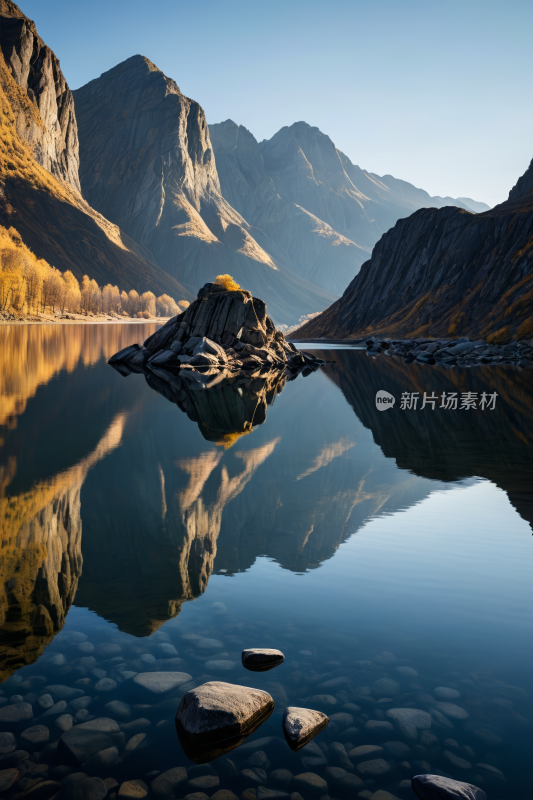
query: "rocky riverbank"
221, 334
452, 352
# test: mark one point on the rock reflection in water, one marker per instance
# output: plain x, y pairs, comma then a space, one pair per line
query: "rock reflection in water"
230, 408
293, 490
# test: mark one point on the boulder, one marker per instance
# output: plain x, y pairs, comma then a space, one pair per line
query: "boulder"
169, 784
218, 713
14, 714
35, 738
437, 787
300, 725
409, 720
81, 743
309, 785
221, 330
261, 659
158, 683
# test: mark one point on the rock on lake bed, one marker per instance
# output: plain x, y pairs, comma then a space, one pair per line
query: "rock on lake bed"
261, 659
437, 787
217, 711
300, 725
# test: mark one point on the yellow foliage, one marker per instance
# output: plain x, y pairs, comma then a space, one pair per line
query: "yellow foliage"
503, 336
227, 440
227, 282
525, 331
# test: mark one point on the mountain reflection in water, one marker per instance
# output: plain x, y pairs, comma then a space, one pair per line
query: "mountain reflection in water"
180, 496
443, 444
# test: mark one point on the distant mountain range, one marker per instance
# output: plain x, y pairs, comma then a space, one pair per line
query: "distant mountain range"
167, 202
319, 213
444, 272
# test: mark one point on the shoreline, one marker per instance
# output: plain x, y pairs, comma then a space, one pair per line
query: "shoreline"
50, 319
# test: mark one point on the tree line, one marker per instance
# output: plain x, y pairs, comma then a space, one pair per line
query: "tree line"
30, 285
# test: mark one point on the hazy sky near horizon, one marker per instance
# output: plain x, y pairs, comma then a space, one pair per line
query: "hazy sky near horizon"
435, 93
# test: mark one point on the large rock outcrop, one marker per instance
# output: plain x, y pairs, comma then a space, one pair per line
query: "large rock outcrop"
39, 184
224, 331
319, 213
147, 164
444, 272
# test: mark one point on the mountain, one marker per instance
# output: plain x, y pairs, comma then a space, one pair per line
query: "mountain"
472, 205
147, 164
320, 214
39, 180
444, 272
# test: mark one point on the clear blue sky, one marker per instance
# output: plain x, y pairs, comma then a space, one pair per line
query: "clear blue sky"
436, 93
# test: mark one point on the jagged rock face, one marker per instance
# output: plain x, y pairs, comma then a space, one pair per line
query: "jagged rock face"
524, 185
320, 213
35, 69
443, 272
50, 215
148, 165
310, 246
221, 333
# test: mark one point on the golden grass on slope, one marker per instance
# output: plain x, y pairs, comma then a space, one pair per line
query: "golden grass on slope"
16, 156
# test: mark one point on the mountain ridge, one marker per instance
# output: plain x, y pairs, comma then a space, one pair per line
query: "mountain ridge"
40, 194
147, 164
444, 272
320, 213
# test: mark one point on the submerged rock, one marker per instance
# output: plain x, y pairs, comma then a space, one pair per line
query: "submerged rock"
261, 659
160, 682
216, 717
300, 725
436, 787
15, 713
409, 720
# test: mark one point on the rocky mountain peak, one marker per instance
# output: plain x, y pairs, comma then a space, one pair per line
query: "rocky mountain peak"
524, 184
229, 137
53, 133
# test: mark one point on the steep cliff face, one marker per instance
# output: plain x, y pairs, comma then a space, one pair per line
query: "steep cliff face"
52, 132
524, 184
39, 186
444, 272
148, 165
294, 235
320, 213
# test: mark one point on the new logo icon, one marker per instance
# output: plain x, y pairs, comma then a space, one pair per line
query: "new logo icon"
384, 400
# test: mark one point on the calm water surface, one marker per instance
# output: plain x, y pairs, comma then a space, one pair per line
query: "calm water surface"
389, 550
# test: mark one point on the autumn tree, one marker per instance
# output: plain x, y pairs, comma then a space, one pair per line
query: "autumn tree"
148, 304
134, 303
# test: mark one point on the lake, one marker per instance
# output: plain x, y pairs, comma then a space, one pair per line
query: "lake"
388, 554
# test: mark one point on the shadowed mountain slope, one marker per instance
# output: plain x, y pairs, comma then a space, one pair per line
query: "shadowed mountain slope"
39, 170
148, 165
444, 272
